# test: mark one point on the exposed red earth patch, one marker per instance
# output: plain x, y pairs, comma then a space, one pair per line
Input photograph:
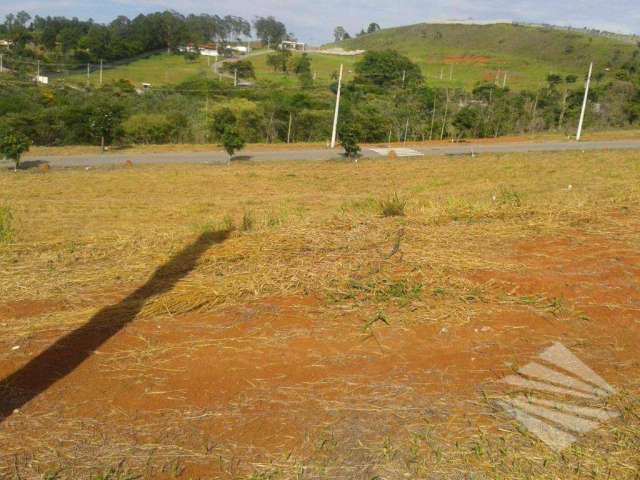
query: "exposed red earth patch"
269, 381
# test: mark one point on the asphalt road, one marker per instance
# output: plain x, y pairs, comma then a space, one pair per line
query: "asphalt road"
318, 154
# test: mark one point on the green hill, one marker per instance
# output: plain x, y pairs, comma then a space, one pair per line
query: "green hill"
462, 55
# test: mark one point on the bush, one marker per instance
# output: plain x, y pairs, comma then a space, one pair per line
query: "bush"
232, 141
243, 67
148, 128
223, 119
13, 145
349, 141
393, 207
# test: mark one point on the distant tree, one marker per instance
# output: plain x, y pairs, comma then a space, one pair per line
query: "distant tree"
467, 122
270, 31
340, 34
243, 67
301, 64
373, 28
232, 141
349, 140
223, 119
191, 56
105, 122
279, 60
21, 19
13, 145
569, 79
554, 80
387, 68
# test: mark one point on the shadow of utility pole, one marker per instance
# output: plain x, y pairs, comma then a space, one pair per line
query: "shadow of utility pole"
67, 353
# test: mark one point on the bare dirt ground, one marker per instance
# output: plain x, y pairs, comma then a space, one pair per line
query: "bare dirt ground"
341, 345
468, 59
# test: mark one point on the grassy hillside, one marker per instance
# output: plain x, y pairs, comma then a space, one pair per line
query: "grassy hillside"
161, 69
323, 65
461, 55
167, 69
449, 55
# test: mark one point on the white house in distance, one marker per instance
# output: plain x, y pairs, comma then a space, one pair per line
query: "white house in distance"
211, 49
239, 48
292, 45
6, 43
206, 49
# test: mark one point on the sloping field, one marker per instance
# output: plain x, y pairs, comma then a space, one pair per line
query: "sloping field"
267, 321
167, 69
449, 55
462, 55
160, 69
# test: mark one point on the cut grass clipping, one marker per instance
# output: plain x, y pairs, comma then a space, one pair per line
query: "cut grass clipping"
393, 206
6, 219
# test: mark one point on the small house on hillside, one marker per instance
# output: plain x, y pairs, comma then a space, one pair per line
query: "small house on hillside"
239, 48
206, 49
209, 50
6, 43
292, 45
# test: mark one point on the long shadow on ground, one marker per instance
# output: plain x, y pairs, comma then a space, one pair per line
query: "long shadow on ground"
67, 353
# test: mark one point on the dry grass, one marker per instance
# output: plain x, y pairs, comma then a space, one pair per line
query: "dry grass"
86, 225
85, 238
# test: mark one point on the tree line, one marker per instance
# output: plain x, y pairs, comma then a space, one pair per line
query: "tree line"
61, 39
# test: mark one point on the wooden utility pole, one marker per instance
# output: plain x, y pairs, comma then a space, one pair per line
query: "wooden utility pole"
335, 116
289, 131
88, 73
584, 103
100, 71
1, 66
235, 77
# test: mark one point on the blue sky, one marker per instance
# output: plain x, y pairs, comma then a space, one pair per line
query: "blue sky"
313, 21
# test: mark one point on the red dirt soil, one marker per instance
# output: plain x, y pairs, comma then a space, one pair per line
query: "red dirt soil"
467, 60
256, 383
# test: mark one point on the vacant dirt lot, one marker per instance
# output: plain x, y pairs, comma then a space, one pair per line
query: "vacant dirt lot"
266, 321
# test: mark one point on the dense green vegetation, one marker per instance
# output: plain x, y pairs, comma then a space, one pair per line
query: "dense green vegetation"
59, 39
378, 105
386, 95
